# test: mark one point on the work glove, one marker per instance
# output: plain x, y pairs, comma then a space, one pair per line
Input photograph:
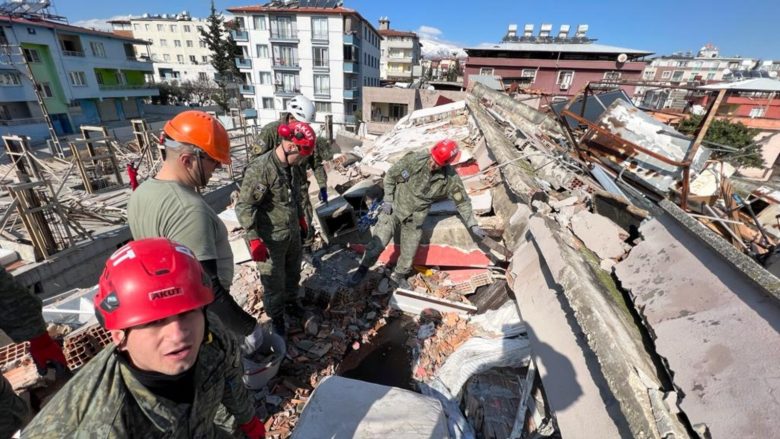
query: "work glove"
258, 250
304, 226
324, 195
387, 208
43, 350
132, 174
478, 232
253, 429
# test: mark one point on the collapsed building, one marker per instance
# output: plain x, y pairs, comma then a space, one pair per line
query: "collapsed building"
612, 300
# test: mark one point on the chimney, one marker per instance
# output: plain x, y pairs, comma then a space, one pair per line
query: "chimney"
384, 23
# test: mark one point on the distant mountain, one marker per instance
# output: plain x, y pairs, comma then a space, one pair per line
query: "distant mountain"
434, 48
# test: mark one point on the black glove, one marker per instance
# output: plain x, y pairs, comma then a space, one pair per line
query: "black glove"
478, 232
387, 208
324, 195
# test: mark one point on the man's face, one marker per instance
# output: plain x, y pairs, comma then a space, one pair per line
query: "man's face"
206, 164
293, 156
433, 166
168, 346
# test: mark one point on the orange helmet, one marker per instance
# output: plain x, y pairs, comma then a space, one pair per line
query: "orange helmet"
202, 130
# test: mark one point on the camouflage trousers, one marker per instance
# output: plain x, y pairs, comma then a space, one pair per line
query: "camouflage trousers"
308, 213
382, 234
280, 274
13, 410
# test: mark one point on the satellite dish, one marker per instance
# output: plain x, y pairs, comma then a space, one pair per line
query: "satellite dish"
773, 74
622, 58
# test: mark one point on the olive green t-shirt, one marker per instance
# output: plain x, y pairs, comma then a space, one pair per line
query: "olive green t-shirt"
172, 210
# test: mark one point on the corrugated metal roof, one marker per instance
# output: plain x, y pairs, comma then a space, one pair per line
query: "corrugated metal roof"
754, 84
562, 47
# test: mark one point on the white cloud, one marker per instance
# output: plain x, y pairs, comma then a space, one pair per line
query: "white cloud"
99, 23
434, 46
428, 31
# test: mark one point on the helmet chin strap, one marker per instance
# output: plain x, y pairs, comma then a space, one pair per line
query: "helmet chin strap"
201, 175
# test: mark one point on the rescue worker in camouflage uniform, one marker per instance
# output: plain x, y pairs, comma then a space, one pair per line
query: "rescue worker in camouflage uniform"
170, 371
21, 319
301, 109
411, 186
269, 209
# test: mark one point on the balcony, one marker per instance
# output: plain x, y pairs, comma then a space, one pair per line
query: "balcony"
351, 40
240, 35
351, 67
286, 64
105, 87
73, 53
284, 36
247, 89
243, 63
351, 93
281, 90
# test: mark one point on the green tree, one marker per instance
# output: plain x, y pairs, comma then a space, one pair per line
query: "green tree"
224, 51
170, 94
730, 134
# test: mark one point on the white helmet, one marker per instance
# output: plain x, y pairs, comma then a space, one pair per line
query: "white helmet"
301, 108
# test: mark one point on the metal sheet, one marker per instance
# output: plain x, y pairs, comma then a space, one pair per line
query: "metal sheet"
595, 105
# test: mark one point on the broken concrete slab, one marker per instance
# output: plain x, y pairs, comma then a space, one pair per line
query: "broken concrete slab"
680, 286
481, 204
414, 302
600, 234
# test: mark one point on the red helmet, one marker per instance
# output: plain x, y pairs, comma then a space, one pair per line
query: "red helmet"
445, 152
301, 134
149, 280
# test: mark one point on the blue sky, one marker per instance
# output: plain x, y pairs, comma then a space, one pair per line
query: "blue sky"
747, 27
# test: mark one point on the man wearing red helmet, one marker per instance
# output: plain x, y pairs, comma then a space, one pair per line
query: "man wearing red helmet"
21, 319
411, 186
170, 372
270, 209
169, 206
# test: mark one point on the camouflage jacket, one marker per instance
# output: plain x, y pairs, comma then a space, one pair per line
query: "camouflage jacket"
105, 400
20, 310
412, 188
269, 204
269, 139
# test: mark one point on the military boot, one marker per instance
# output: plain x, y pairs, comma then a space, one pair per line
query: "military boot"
400, 280
278, 327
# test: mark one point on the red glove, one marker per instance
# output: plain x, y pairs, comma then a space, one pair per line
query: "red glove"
43, 349
132, 174
304, 226
258, 250
253, 429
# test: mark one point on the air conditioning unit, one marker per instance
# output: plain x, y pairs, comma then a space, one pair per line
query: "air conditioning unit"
565, 86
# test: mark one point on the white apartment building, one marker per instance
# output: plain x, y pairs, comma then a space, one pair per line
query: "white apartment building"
324, 53
401, 51
176, 48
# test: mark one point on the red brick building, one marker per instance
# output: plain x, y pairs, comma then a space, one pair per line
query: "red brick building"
557, 65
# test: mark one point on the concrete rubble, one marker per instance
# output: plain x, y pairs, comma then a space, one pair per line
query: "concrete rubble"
615, 316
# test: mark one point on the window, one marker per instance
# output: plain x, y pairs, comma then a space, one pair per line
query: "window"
565, 78
287, 82
159, 28
172, 28
97, 49
710, 76
319, 28
321, 57
203, 76
166, 57
163, 43
45, 89
202, 44
204, 58
322, 85
262, 51
678, 75
265, 78
666, 75
189, 43
193, 59
757, 112
10, 79
528, 76
31, 55
285, 55
259, 21
180, 59
176, 43
147, 27
268, 103
199, 28
187, 28
78, 79
136, 26
283, 27
648, 75
322, 107
612, 76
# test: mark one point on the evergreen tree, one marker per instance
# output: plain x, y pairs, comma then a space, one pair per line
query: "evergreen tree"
730, 134
224, 51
